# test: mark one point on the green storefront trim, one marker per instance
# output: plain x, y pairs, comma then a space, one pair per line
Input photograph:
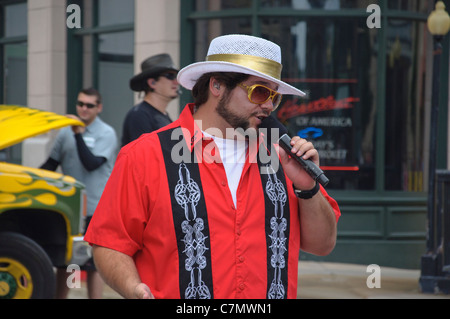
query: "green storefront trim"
385, 229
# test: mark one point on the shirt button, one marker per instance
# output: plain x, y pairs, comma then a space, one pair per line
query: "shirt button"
241, 286
241, 258
224, 183
238, 232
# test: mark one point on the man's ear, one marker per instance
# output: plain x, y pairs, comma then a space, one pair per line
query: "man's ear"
214, 87
151, 82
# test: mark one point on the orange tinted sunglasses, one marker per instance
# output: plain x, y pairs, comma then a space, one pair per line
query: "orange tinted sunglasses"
260, 94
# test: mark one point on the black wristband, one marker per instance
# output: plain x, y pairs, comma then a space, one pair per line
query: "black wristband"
307, 194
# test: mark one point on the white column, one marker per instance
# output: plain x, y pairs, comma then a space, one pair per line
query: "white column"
46, 69
157, 25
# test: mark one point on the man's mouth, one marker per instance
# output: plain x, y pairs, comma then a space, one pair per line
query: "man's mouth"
261, 117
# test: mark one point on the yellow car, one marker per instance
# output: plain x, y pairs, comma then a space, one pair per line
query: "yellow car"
41, 212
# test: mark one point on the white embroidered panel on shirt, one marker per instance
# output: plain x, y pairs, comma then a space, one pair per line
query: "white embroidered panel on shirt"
277, 194
187, 195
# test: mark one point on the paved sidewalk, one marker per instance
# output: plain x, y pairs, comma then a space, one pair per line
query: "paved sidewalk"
321, 280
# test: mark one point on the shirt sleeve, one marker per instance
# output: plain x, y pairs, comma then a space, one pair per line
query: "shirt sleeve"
333, 203
89, 160
50, 164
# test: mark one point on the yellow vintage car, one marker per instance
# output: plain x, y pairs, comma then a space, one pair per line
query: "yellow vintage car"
41, 212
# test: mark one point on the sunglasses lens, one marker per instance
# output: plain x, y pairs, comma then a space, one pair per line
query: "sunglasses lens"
260, 94
88, 105
170, 76
277, 100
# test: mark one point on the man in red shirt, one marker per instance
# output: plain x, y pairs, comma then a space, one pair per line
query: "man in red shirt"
195, 210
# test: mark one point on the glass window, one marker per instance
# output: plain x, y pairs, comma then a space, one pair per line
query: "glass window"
405, 95
15, 68
13, 64
114, 73
318, 4
209, 29
323, 57
335, 60
216, 5
16, 22
409, 5
114, 12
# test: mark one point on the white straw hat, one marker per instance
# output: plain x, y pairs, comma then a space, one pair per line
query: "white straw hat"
242, 54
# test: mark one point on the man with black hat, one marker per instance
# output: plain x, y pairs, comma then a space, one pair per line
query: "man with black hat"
158, 81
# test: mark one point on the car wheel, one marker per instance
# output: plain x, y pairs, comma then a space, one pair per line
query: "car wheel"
26, 271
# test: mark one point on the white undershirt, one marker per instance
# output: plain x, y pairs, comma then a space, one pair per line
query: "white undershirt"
233, 153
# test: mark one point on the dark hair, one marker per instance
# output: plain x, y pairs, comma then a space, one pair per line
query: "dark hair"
155, 77
200, 91
147, 88
92, 92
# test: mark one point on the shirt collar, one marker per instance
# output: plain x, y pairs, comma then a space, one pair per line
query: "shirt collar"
93, 126
193, 133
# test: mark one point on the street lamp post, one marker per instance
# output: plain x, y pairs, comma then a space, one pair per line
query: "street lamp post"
431, 279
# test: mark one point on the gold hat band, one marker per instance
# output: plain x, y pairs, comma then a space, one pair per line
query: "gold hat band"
263, 65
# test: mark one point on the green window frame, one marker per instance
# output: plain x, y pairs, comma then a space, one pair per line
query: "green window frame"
75, 37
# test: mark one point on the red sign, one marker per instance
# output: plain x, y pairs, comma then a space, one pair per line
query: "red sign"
291, 108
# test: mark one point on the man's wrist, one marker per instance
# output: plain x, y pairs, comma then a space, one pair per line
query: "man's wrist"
306, 194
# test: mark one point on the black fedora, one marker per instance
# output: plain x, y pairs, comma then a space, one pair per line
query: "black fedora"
151, 67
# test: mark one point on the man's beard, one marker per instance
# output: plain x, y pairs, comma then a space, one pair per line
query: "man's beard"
235, 120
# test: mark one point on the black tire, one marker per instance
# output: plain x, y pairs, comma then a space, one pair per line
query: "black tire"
26, 271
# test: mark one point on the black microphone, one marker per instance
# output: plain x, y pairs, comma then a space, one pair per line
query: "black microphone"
312, 169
